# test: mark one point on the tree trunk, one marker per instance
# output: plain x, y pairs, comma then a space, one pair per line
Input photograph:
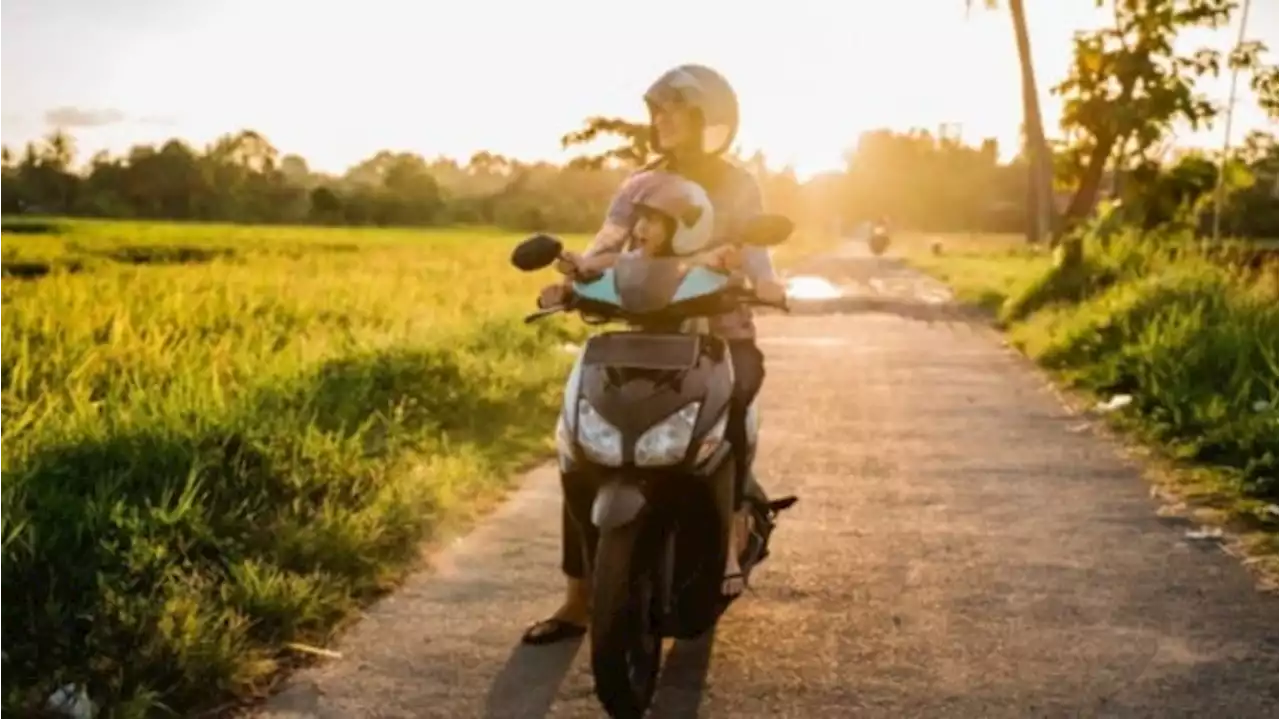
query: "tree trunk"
1041, 166
1087, 193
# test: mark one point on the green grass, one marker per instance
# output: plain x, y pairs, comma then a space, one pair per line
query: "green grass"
219, 439
982, 269
1192, 338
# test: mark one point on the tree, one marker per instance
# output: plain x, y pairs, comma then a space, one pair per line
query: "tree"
633, 152
919, 180
1127, 86
59, 151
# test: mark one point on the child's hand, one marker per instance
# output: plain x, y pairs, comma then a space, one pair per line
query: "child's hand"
552, 296
569, 263
581, 268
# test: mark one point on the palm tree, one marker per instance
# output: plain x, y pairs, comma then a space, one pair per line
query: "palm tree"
1041, 166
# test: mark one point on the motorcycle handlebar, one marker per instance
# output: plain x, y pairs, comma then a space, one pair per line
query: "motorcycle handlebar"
746, 297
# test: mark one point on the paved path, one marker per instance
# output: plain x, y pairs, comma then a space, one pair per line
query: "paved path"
961, 549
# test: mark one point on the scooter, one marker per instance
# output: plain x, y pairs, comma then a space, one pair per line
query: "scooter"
879, 240
643, 428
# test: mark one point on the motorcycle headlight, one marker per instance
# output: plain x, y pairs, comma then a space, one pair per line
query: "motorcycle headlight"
666, 442
600, 441
564, 440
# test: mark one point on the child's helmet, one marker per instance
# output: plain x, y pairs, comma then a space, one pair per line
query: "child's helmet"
684, 202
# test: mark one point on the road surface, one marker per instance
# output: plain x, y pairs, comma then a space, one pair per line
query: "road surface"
963, 547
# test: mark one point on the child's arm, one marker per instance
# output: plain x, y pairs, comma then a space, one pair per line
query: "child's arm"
594, 264
605, 246
583, 267
612, 236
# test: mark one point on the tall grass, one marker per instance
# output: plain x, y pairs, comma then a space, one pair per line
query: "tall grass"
1192, 335
209, 453
1193, 340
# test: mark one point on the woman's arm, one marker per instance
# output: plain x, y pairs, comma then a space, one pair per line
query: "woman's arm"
756, 262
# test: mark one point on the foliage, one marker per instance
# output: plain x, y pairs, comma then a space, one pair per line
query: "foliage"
914, 179
243, 178
1127, 85
219, 439
1188, 331
632, 153
941, 183
1194, 341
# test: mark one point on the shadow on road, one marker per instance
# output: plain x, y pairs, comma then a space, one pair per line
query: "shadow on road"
684, 677
527, 685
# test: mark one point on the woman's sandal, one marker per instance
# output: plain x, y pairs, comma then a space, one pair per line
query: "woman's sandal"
551, 631
733, 585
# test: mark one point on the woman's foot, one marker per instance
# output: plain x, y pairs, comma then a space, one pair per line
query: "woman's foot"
569, 621
734, 582
553, 630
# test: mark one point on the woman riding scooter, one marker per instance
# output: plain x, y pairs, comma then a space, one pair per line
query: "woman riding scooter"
693, 118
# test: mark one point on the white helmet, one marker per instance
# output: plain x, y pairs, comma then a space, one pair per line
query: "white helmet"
705, 91
681, 201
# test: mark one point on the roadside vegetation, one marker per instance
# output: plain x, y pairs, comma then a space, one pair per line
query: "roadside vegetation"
1185, 335
1142, 302
221, 440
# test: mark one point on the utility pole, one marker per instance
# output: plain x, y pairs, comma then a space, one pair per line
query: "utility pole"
1220, 188
1040, 186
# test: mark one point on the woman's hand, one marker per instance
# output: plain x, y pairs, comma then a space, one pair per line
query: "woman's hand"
725, 258
773, 292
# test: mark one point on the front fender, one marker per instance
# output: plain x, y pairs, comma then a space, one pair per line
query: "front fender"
617, 504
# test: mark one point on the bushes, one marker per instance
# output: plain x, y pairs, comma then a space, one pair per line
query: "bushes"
1193, 341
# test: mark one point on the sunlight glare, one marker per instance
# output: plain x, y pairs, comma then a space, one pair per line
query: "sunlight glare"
810, 287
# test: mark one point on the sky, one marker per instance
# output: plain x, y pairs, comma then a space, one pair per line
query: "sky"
336, 82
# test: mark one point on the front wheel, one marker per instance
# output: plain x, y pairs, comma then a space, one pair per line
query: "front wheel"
626, 622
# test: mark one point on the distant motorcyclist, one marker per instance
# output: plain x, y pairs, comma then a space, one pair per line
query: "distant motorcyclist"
879, 238
693, 117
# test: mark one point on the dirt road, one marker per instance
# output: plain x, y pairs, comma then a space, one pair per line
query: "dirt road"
963, 548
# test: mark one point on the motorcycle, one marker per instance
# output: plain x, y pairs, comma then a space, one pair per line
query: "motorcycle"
642, 429
879, 240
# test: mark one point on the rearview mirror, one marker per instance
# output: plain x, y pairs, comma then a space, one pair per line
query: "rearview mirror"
535, 253
768, 230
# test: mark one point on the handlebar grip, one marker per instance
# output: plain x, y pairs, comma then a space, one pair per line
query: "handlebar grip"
544, 312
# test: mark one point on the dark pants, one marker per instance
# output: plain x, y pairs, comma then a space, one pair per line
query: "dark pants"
748, 376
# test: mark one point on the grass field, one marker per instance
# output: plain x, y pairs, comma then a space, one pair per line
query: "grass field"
221, 439
982, 269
